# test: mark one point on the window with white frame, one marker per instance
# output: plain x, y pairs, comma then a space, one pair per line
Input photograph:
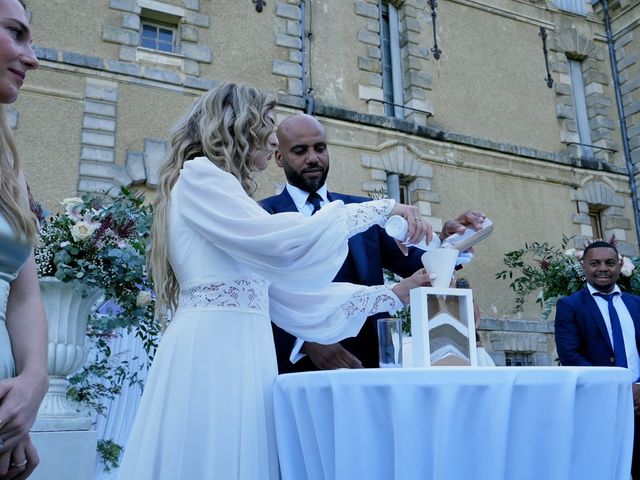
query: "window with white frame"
391, 68
159, 31
580, 106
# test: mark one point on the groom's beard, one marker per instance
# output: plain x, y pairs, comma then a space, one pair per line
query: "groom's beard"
298, 179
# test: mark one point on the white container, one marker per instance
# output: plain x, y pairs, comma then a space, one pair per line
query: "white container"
397, 226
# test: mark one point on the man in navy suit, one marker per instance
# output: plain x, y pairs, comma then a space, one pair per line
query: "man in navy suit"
600, 325
304, 157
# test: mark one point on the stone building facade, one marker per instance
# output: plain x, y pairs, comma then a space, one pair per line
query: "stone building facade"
454, 108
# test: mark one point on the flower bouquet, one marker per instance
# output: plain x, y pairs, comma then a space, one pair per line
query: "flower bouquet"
100, 242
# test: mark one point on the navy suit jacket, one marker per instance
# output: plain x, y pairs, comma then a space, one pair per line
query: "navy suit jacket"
581, 334
369, 253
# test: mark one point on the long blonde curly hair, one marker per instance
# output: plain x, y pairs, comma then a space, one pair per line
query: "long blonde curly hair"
229, 125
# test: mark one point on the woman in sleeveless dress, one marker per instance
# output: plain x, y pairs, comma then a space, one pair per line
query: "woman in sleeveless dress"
223, 266
23, 328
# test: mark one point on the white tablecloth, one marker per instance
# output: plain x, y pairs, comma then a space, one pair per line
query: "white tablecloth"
450, 423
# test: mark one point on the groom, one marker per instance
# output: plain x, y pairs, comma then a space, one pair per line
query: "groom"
600, 325
304, 156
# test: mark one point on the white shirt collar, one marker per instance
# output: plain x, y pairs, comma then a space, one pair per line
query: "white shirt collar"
592, 290
300, 197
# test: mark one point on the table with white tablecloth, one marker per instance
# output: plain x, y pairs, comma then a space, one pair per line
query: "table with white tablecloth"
455, 423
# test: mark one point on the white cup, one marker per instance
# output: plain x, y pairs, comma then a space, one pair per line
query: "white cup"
440, 262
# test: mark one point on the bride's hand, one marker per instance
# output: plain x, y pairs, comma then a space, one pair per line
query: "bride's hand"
417, 227
419, 279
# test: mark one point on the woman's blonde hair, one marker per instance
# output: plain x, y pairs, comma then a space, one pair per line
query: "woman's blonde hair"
14, 204
228, 125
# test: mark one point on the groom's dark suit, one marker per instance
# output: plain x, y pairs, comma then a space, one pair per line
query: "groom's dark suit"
582, 340
369, 253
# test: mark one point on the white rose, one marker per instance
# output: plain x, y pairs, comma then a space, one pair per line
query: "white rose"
571, 252
81, 231
627, 267
144, 298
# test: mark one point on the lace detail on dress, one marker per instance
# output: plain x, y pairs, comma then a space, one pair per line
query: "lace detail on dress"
372, 300
241, 294
361, 216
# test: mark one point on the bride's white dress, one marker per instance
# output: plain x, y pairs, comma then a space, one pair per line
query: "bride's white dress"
206, 411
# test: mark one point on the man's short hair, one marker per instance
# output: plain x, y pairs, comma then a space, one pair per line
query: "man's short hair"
599, 244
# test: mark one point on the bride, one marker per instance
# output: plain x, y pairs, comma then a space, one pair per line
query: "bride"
222, 266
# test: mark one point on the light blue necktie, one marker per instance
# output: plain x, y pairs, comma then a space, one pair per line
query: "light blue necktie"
616, 330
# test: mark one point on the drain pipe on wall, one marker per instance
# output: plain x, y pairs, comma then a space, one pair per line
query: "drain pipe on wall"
623, 123
309, 104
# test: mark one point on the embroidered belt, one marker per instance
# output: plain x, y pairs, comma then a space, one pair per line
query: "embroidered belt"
248, 294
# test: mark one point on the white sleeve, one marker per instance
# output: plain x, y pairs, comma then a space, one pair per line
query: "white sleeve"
331, 314
361, 216
366, 301
284, 247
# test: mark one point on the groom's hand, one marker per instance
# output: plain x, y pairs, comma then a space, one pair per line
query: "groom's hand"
330, 357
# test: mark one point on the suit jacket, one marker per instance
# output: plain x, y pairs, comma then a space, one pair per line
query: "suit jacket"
369, 253
581, 334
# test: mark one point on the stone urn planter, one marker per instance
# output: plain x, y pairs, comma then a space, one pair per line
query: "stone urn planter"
67, 306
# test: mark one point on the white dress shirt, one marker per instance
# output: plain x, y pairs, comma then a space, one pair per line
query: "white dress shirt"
626, 324
300, 198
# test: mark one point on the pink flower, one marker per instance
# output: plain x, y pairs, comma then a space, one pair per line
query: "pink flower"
73, 207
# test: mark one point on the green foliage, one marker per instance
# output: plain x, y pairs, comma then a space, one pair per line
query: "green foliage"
553, 273
109, 452
405, 313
